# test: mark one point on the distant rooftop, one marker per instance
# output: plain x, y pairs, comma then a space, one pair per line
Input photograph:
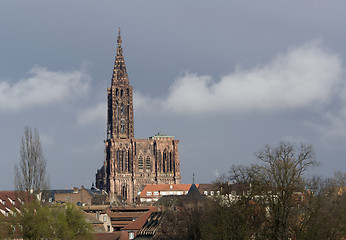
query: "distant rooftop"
160, 135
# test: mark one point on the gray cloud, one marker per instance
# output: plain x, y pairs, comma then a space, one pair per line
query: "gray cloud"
43, 87
94, 114
301, 77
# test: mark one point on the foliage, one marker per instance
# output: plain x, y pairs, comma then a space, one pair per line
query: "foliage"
274, 201
37, 221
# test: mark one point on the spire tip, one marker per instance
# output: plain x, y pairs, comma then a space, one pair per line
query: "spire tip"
119, 38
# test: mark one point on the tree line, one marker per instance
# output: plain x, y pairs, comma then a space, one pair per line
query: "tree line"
278, 201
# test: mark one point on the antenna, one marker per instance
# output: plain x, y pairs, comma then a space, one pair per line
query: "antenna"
193, 178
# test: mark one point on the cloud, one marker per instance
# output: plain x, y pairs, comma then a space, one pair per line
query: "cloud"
94, 114
331, 128
302, 77
43, 87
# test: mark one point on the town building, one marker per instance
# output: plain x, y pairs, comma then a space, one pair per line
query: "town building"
76, 196
153, 192
11, 202
131, 163
126, 220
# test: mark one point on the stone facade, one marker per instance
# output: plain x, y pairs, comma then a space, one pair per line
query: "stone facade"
131, 163
81, 196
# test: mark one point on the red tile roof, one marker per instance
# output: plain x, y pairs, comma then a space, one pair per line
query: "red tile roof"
139, 223
10, 200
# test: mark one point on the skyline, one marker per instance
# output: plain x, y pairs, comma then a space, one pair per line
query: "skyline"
225, 79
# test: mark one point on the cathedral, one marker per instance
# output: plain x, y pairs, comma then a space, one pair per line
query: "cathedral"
131, 163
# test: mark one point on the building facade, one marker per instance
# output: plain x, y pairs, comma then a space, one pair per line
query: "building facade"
131, 163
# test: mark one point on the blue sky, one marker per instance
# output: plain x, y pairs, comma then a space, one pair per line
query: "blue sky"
223, 77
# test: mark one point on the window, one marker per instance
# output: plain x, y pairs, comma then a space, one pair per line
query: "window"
131, 235
122, 126
104, 218
212, 193
140, 163
147, 164
156, 193
108, 228
122, 110
148, 193
205, 192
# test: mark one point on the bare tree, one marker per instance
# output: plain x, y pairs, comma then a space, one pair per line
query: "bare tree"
280, 178
30, 175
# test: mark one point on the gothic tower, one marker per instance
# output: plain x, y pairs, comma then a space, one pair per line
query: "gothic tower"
130, 163
120, 103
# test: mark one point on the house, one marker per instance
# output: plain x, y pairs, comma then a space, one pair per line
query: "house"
11, 201
98, 216
76, 196
153, 192
126, 221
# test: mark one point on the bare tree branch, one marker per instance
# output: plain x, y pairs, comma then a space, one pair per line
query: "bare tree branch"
30, 174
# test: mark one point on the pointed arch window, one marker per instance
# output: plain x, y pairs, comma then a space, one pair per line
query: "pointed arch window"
165, 160
158, 164
129, 160
118, 160
124, 192
122, 126
170, 162
147, 164
140, 163
122, 109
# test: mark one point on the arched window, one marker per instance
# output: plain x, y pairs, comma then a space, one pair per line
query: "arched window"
122, 109
126, 161
170, 162
140, 163
122, 162
122, 126
165, 155
118, 160
129, 166
158, 163
147, 164
124, 192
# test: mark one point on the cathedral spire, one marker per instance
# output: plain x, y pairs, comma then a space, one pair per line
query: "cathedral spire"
119, 73
119, 39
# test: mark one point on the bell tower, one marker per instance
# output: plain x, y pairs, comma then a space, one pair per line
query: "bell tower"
131, 163
120, 100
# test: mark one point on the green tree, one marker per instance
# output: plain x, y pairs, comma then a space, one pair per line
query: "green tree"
57, 221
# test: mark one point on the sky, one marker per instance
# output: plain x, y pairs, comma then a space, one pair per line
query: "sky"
224, 77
